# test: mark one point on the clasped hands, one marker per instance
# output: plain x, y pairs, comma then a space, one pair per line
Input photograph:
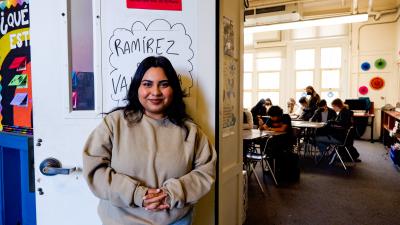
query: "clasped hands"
155, 200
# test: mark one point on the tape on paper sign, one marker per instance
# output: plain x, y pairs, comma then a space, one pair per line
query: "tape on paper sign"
377, 83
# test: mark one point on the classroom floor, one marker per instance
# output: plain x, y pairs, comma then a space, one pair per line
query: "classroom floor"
368, 194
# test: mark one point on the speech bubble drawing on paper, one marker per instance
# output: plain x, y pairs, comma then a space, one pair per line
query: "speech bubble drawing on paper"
158, 38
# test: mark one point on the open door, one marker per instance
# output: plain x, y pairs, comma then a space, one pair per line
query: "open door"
230, 186
84, 53
67, 105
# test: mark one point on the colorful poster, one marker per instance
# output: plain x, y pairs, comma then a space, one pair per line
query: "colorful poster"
15, 64
155, 4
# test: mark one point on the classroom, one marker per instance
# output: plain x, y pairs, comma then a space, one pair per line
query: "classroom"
201, 112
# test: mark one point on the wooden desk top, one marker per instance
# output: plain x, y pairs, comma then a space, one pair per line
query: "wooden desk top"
394, 114
307, 124
256, 133
363, 115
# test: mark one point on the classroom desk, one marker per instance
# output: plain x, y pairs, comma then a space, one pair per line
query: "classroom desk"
307, 124
308, 135
371, 124
253, 135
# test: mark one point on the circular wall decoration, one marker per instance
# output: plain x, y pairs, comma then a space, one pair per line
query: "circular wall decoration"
330, 94
380, 63
363, 90
377, 83
365, 66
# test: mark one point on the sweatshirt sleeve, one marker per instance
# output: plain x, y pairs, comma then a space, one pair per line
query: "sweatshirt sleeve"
189, 188
107, 184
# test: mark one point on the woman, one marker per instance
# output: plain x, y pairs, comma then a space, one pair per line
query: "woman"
147, 161
314, 98
247, 119
292, 108
268, 104
336, 130
258, 111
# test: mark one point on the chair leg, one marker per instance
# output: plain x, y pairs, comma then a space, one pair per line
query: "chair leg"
258, 180
347, 150
272, 171
340, 158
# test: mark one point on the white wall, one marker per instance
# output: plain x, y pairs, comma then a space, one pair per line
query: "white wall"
372, 40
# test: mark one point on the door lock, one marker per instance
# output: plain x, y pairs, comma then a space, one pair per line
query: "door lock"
52, 166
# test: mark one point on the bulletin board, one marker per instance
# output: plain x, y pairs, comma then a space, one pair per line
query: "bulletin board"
15, 67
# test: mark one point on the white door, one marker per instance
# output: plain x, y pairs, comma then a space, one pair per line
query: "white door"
65, 35
230, 208
61, 125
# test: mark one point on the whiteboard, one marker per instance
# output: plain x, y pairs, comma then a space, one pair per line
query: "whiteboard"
130, 35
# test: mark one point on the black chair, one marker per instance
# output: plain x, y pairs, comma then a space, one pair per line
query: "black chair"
335, 148
257, 154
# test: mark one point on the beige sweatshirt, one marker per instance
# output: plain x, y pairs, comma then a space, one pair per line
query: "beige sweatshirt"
121, 160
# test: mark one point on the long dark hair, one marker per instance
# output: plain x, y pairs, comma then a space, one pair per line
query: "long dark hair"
175, 112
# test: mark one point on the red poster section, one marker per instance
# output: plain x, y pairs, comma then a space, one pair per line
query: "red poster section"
155, 4
22, 115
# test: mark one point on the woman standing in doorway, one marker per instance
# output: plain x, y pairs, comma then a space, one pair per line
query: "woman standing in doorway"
147, 162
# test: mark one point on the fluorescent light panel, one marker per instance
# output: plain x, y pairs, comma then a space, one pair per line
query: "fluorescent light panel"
309, 23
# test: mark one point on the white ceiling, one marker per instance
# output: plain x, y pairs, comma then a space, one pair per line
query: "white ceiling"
311, 8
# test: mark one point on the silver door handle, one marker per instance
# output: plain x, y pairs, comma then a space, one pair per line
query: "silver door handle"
52, 166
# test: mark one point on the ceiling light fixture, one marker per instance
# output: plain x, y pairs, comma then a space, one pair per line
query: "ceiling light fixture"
309, 23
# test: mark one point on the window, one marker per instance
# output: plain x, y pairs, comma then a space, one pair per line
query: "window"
320, 68
274, 96
81, 45
268, 80
305, 59
248, 80
247, 100
305, 70
269, 74
268, 70
261, 78
331, 67
304, 79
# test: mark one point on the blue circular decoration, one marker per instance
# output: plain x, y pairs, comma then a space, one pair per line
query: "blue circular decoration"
330, 94
304, 94
365, 66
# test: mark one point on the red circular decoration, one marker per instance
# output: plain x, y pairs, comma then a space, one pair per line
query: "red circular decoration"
377, 83
363, 90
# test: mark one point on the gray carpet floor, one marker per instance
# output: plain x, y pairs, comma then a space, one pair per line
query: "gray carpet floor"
368, 194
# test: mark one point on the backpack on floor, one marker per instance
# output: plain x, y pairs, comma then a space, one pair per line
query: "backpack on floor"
287, 168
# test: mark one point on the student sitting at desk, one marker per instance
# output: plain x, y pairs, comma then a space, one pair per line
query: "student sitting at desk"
247, 119
278, 122
280, 147
336, 130
306, 113
258, 110
292, 109
323, 113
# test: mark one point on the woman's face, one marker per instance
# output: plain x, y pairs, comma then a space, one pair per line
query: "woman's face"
336, 108
155, 93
